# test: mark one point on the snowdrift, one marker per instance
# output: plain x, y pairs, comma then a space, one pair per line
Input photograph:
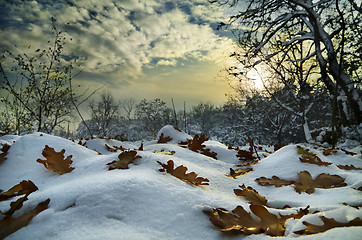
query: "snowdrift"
149, 199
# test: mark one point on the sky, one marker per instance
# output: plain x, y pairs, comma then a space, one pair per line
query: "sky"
138, 48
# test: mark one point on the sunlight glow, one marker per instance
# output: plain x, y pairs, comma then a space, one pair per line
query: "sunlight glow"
256, 78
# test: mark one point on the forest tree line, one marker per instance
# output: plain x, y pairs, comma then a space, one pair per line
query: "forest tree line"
306, 53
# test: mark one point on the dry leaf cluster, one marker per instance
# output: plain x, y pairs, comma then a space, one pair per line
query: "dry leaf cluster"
306, 183
10, 224
309, 157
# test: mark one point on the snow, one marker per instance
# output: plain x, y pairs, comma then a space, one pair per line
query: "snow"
143, 203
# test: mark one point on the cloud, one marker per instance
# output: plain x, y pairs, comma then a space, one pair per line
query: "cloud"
167, 62
120, 38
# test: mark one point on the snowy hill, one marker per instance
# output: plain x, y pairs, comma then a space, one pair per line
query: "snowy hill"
142, 202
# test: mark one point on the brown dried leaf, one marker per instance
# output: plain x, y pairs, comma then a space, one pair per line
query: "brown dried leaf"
165, 152
305, 152
141, 147
277, 147
328, 223
348, 167
348, 153
164, 139
197, 143
240, 221
298, 215
55, 161
245, 155
329, 181
251, 195
110, 148
314, 160
9, 224
306, 183
208, 153
180, 172
16, 205
329, 151
239, 172
247, 164
354, 206
276, 181
4, 149
311, 158
125, 158
24, 187
177, 128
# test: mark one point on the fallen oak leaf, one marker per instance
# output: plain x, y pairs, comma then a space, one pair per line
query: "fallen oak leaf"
197, 143
4, 149
297, 215
306, 182
328, 223
348, 167
247, 164
16, 205
276, 181
110, 148
24, 187
305, 152
177, 128
55, 161
329, 151
208, 153
348, 152
240, 221
9, 224
277, 147
239, 172
125, 158
329, 181
313, 160
270, 223
165, 152
354, 206
141, 147
163, 139
180, 173
251, 195
309, 157
245, 155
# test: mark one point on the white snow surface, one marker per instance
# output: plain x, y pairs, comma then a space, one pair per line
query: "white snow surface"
143, 203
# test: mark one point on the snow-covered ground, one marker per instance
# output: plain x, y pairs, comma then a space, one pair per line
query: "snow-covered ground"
142, 202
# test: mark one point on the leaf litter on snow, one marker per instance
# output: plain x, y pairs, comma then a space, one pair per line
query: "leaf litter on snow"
113, 203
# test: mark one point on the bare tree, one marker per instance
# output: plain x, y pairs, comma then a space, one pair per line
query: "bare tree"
128, 105
104, 114
154, 113
324, 27
41, 90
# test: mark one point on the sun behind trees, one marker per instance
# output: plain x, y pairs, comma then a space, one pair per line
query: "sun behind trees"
306, 46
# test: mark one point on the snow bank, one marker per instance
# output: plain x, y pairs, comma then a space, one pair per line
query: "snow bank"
143, 203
